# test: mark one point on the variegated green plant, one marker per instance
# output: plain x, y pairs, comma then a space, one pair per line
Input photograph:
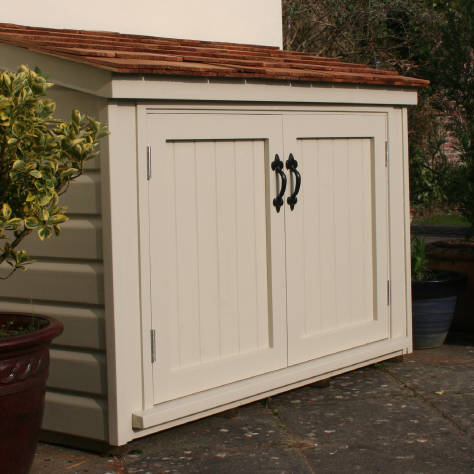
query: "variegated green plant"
39, 157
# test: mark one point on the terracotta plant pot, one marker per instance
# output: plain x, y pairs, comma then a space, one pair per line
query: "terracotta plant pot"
433, 307
24, 362
457, 255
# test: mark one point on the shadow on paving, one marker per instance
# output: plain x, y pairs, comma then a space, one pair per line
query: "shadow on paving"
410, 415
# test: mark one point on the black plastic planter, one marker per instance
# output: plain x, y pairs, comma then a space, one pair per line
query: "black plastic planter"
433, 307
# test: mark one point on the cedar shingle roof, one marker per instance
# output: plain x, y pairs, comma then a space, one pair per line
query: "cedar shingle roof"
136, 54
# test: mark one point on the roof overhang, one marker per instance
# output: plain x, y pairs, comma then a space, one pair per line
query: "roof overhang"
107, 84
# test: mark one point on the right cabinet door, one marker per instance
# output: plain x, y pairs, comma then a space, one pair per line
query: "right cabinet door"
336, 234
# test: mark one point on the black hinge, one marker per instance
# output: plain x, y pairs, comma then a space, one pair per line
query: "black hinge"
148, 163
153, 346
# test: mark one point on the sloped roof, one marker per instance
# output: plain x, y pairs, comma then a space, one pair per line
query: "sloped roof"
135, 54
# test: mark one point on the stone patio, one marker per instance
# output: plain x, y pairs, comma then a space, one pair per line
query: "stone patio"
409, 415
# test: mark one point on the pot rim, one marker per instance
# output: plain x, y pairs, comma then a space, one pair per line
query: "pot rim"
42, 336
450, 276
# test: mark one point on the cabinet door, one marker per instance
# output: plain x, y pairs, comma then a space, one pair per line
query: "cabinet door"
336, 236
217, 251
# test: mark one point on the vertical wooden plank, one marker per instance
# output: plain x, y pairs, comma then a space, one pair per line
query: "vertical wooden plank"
399, 220
368, 223
326, 232
163, 249
406, 325
208, 258
227, 245
187, 260
246, 256
121, 268
356, 225
310, 202
342, 233
295, 233
258, 171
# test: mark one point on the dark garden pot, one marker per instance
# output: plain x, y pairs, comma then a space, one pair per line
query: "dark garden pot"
24, 362
433, 307
458, 256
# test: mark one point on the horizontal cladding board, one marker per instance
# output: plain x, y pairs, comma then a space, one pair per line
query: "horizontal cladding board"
81, 238
79, 282
83, 327
75, 415
83, 196
78, 371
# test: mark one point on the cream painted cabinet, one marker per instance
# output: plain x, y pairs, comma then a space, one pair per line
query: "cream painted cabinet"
237, 289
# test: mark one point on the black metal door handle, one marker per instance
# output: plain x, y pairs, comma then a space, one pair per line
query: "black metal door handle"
292, 164
277, 166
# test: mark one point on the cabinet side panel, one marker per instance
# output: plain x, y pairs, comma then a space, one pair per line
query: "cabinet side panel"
399, 208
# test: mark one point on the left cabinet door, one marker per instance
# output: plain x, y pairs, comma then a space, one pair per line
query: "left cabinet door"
217, 251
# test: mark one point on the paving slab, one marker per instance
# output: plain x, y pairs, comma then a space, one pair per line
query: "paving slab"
409, 415
369, 435
51, 458
247, 439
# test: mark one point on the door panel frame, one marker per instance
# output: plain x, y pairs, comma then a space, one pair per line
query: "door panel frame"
173, 127
329, 125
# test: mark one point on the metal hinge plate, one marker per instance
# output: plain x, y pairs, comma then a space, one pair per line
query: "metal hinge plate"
148, 163
387, 154
153, 346
389, 293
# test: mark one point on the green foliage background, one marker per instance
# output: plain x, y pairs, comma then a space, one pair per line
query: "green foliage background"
428, 39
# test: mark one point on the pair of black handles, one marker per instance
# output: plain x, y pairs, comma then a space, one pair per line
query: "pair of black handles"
291, 165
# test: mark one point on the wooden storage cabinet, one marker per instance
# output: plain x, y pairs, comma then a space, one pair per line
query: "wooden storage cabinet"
183, 291
232, 289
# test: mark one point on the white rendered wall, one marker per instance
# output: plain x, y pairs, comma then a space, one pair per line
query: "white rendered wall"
239, 21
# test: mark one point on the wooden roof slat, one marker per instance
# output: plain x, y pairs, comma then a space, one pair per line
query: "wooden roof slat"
53, 42
111, 39
139, 54
215, 60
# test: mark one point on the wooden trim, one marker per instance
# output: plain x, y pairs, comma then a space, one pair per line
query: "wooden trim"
144, 242
239, 393
407, 229
180, 88
121, 267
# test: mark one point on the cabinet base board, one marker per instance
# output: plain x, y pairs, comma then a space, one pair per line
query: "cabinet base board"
199, 405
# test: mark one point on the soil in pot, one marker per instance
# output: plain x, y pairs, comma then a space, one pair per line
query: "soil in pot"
433, 307
457, 255
24, 363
